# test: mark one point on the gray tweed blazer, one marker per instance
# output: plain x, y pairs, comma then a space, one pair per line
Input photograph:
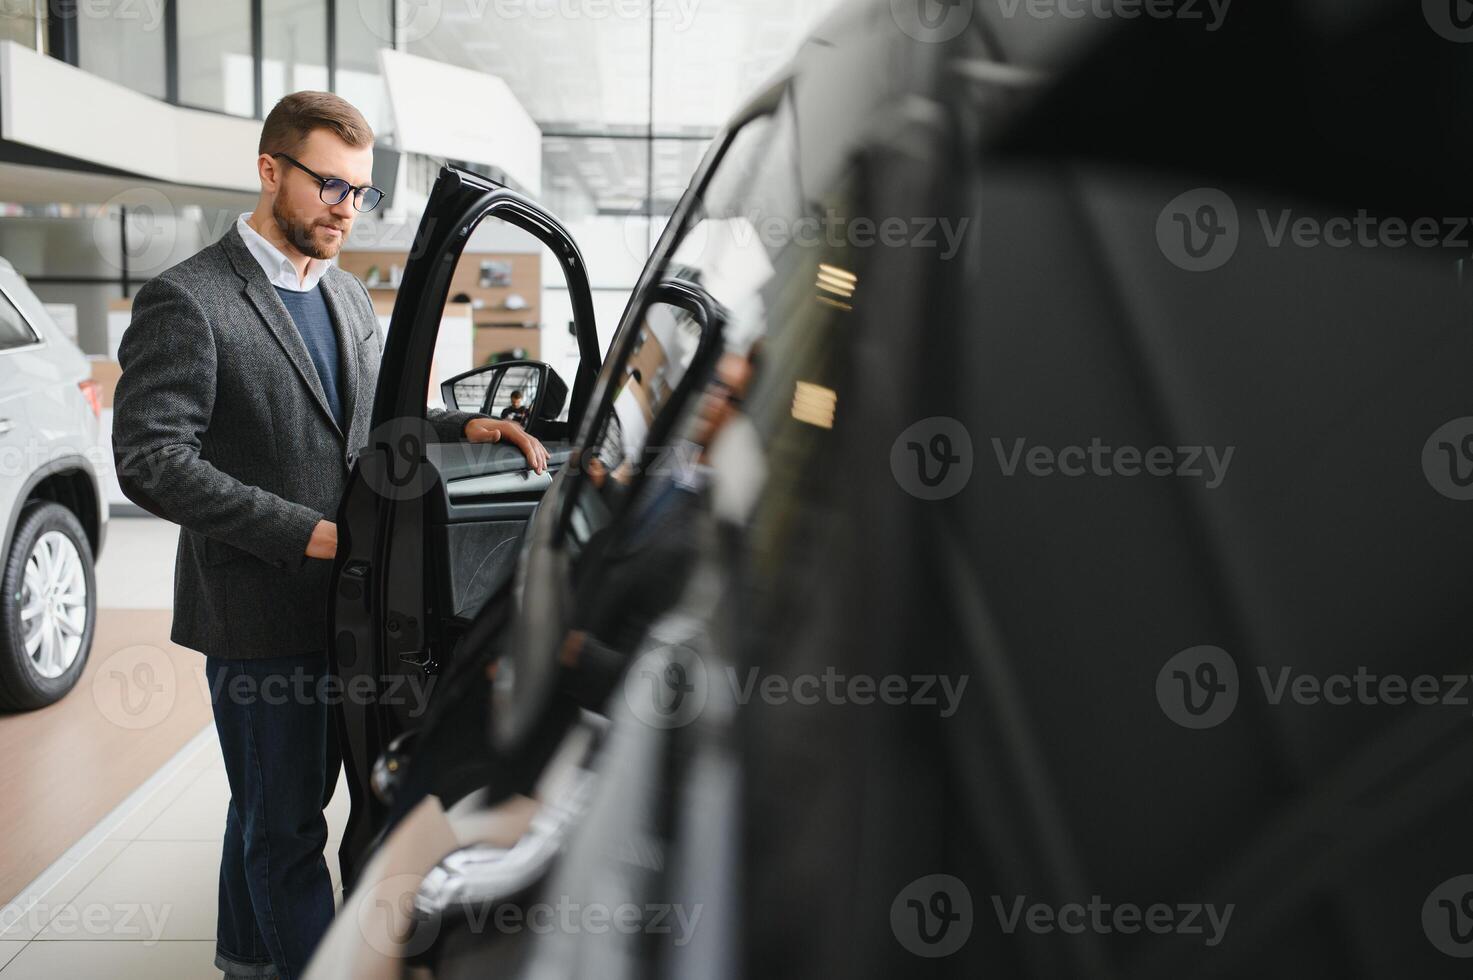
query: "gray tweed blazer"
220, 425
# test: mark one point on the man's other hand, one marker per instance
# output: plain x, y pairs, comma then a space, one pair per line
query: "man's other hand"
495, 430
324, 541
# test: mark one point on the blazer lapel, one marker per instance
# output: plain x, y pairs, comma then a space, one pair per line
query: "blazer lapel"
340, 305
263, 297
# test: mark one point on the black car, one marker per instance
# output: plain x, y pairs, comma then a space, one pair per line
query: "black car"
1014, 531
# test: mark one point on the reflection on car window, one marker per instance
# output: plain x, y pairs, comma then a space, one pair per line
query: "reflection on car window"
658, 357
733, 242
14, 331
744, 219
514, 395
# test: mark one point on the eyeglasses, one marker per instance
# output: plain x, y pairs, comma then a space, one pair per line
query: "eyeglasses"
333, 190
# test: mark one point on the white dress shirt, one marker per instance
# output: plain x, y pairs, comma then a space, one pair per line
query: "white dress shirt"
279, 268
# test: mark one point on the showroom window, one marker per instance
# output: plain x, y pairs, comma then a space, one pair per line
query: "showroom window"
293, 48
123, 43
14, 331
215, 66
361, 31
203, 53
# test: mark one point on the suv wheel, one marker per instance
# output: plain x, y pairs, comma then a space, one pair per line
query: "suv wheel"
48, 607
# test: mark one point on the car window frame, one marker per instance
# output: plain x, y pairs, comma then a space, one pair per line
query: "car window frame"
764, 106
37, 338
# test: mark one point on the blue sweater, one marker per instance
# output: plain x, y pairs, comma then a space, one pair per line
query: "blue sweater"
314, 322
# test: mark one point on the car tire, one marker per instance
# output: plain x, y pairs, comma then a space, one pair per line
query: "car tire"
52, 535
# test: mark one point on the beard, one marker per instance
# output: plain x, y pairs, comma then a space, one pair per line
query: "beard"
307, 237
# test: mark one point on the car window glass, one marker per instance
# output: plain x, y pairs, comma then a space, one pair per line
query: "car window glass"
14, 331
495, 311
516, 388
650, 363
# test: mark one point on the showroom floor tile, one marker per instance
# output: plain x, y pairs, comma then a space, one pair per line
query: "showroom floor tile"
141, 901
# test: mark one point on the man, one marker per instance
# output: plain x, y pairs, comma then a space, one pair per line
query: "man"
515, 412
248, 378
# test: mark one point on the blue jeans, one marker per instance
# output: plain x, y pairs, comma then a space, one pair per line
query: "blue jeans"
279, 740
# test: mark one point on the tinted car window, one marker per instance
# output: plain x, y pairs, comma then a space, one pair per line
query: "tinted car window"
14, 330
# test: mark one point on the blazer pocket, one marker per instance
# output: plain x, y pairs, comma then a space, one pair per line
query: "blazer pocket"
219, 553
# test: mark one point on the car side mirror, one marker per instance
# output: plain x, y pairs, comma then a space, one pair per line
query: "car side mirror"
531, 393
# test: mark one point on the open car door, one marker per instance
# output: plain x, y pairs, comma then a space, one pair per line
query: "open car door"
427, 530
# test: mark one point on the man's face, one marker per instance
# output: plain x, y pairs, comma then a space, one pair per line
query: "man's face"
516, 401
316, 229
733, 372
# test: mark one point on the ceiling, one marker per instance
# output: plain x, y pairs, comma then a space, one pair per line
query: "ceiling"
584, 67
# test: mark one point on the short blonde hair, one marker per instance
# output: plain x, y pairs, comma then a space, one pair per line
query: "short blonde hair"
295, 117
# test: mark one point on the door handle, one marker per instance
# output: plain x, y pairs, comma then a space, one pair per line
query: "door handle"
5, 426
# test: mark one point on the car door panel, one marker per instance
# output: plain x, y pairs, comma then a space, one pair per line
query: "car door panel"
428, 531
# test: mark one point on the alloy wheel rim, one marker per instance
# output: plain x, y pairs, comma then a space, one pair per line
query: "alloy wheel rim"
53, 604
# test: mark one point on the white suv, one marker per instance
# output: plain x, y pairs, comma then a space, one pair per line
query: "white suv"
51, 503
